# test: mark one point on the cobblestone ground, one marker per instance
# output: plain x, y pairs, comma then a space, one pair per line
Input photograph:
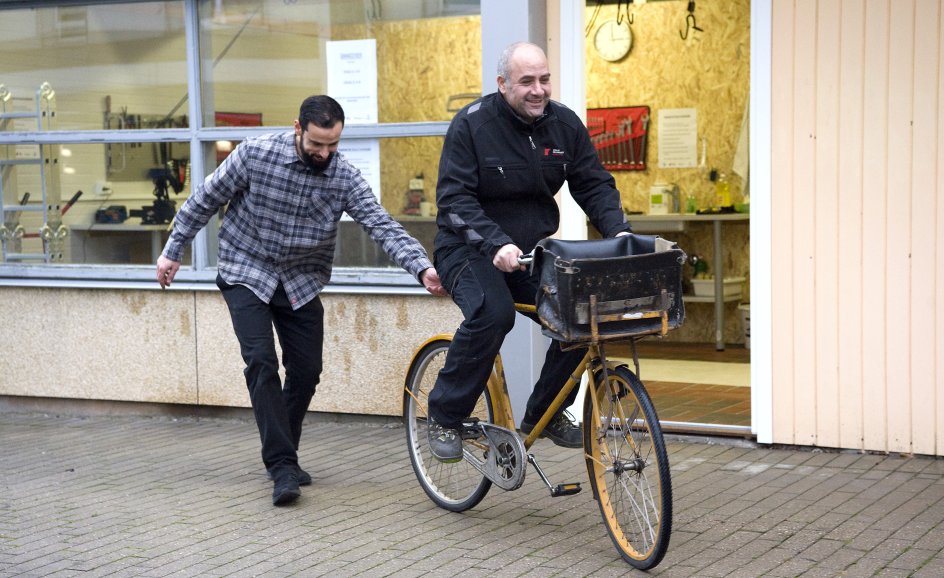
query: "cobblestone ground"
133, 496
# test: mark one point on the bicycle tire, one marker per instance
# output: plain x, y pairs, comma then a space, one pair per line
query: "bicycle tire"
628, 468
452, 486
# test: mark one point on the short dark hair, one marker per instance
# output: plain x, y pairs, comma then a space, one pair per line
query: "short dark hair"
320, 110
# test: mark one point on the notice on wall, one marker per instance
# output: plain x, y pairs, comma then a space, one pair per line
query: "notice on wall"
365, 155
352, 78
678, 136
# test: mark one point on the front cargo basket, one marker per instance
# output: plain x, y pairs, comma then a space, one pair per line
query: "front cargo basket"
632, 282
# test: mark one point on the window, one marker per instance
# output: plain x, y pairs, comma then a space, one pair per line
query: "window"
110, 111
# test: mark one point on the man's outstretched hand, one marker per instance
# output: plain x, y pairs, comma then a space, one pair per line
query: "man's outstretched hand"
166, 269
430, 279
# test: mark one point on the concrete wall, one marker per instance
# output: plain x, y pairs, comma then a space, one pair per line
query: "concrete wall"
178, 347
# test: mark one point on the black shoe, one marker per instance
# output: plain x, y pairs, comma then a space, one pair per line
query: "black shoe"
561, 431
304, 478
444, 443
286, 489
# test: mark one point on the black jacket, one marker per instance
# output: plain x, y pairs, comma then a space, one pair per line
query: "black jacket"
498, 176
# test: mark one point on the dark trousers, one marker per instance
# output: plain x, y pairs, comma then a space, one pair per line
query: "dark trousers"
279, 410
486, 297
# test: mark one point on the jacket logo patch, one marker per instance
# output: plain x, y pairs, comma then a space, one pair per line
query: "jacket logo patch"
549, 152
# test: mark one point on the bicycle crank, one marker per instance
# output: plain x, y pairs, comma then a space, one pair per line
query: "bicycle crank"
504, 461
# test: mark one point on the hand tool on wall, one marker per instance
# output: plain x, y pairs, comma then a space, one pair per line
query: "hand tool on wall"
690, 24
644, 119
626, 140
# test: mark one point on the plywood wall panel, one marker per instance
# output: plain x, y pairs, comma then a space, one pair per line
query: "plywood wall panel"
782, 171
936, 363
803, 241
927, 54
850, 279
859, 222
875, 169
898, 223
710, 72
826, 222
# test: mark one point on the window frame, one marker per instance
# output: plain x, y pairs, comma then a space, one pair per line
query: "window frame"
200, 275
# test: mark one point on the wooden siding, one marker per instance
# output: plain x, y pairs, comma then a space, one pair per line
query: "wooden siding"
857, 240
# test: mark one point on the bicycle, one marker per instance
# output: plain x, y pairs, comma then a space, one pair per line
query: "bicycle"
624, 449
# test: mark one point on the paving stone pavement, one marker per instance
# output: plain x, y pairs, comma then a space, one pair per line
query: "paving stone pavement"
159, 496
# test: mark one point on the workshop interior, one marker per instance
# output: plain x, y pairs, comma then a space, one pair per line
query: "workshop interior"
95, 109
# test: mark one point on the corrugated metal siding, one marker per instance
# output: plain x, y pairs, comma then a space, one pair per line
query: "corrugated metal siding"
858, 224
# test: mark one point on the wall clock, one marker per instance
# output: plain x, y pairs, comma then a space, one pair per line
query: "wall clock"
613, 40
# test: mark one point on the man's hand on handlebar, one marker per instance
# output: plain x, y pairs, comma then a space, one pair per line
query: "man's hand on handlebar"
506, 259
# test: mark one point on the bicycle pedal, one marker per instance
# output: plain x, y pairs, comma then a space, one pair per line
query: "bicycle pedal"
566, 490
470, 429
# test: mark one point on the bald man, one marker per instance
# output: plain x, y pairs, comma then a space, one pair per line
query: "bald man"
504, 158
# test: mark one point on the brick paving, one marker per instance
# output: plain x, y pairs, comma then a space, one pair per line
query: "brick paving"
159, 496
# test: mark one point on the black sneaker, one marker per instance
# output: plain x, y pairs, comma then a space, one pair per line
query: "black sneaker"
561, 430
444, 443
304, 478
286, 489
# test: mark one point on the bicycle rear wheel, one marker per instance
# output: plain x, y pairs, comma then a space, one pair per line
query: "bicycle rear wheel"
456, 486
629, 467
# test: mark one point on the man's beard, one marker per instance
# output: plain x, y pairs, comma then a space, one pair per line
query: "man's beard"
316, 166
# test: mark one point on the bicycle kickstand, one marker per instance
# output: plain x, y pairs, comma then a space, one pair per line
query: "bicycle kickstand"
558, 490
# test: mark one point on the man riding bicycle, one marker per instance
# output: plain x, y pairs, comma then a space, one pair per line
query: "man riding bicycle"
504, 158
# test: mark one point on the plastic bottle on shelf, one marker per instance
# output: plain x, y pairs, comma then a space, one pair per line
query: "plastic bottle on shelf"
722, 191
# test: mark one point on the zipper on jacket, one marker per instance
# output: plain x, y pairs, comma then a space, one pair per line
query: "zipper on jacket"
532, 142
502, 171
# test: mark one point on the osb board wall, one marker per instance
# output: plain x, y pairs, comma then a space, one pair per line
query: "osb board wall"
708, 72
420, 64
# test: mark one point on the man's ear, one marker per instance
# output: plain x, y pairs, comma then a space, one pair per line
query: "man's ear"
501, 84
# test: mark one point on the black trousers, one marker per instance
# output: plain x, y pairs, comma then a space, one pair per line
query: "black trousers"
486, 297
279, 410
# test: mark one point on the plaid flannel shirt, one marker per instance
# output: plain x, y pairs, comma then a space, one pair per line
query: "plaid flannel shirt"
281, 223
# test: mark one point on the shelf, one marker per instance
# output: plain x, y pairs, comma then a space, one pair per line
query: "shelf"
709, 299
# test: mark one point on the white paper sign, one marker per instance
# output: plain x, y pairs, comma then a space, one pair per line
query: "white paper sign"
352, 78
365, 155
678, 136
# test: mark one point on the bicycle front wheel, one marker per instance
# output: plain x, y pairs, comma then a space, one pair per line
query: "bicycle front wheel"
454, 486
629, 467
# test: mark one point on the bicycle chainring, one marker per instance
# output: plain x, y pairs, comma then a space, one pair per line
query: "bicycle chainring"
505, 461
